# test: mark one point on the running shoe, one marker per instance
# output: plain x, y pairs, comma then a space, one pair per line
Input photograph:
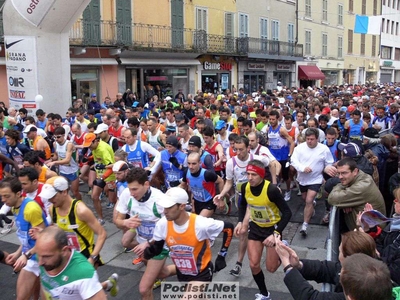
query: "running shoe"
236, 271
157, 283
102, 222
110, 205
114, 287
89, 193
137, 261
128, 250
262, 297
287, 195
7, 228
303, 230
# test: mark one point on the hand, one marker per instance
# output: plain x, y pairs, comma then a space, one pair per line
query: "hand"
174, 161
139, 249
220, 203
237, 229
283, 253
11, 258
99, 167
269, 241
20, 263
132, 222
293, 257
218, 198
331, 171
51, 164
220, 263
307, 170
34, 232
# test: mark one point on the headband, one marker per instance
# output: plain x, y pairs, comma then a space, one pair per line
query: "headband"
258, 170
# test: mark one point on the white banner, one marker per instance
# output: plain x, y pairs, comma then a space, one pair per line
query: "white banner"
21, 64
33, 11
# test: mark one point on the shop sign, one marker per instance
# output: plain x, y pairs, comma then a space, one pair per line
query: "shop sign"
223, 66
387, 63
255, 66
283, 67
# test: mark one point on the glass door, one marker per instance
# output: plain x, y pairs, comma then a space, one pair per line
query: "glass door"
85, 88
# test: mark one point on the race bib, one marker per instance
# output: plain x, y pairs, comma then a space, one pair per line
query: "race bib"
172, 175
136, 164
259, 214
146, 230
23, 238
73, 241
185, 262
198, 193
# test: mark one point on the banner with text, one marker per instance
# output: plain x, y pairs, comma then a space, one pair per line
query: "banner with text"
33, 11
21, 64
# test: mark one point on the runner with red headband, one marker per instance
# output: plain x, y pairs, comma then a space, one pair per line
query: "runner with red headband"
263, 214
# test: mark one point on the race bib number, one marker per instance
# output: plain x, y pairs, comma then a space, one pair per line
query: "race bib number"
73, 241
23, 238
172, 176
185, 262
146, 230
136, 164
259, 214
198, 193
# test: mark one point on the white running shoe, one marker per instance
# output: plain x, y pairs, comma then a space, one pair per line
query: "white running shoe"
287, 195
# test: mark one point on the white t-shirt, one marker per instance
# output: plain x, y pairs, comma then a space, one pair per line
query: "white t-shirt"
149, 212
264, 151
205, 228
315, 158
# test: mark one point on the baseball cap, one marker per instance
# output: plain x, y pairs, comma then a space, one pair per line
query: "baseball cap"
89, 138
93, 95
371, 133
220, 124
135, 104
351, 109
151, 105
173, 141
326, 111
351, 149
120, 166
100, 128
30, 128
281, 100
170, 128
195, 141
168, 98
175, 195
52, 186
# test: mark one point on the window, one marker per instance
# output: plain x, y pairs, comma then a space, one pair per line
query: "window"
397, 54
375, 8
229, 35
243, 25
324, 44
350, 41
308, 8
340, 15
392, 28
383, 25
351, 4
201, 19
308, 43
275, 30
387, 26
340, 47
386, 52
264, 33
397, 28
362, 45
291, 40
325, 10
373, 52
398, 4
364, 7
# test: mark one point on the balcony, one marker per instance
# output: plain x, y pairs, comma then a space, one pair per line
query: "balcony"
156, 38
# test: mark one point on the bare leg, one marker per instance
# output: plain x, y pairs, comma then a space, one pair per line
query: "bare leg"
26, 285
309, 208
96, 201
153, 268
75, 189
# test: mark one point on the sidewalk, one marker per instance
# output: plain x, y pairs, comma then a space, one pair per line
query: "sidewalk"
312, 247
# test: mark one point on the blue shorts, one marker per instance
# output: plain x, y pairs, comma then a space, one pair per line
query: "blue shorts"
70, 177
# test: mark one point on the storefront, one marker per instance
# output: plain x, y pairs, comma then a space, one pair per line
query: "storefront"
283, 74
331, 77
309, 75
216, 74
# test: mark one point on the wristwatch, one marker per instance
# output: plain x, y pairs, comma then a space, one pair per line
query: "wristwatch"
94, 257
28, 254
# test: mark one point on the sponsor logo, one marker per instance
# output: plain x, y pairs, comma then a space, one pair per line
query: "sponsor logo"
27, 70
12, 68
17, 94
16, 81
8, 45
32, 6
16, 56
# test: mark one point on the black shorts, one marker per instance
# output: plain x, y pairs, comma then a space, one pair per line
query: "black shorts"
199, 206
313, 187
220, 174
257, 233
205, 275
1, 255
285, 171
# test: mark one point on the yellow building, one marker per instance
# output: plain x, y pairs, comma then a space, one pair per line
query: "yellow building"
361, 61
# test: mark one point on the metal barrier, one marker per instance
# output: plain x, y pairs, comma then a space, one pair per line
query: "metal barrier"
332, 244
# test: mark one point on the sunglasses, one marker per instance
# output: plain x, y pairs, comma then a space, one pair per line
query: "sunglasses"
58, 136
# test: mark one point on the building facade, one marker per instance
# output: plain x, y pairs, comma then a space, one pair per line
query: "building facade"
321, 31
389, 65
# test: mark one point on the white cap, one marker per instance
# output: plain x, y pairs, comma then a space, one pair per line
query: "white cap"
29, 128
295, 91
120, 166
100, 128
168, 98
254, 94
281, 100
52, 186
175, 195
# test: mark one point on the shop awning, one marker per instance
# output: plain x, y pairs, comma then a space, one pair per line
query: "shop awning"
310, 73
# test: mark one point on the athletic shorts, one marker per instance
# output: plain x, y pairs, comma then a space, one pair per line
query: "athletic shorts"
285, 171
205, 275
32, 266
164, 254
70, 177
257, 233
199, 206
313, 187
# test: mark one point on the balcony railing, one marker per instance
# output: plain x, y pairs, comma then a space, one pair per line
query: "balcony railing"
148, 37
